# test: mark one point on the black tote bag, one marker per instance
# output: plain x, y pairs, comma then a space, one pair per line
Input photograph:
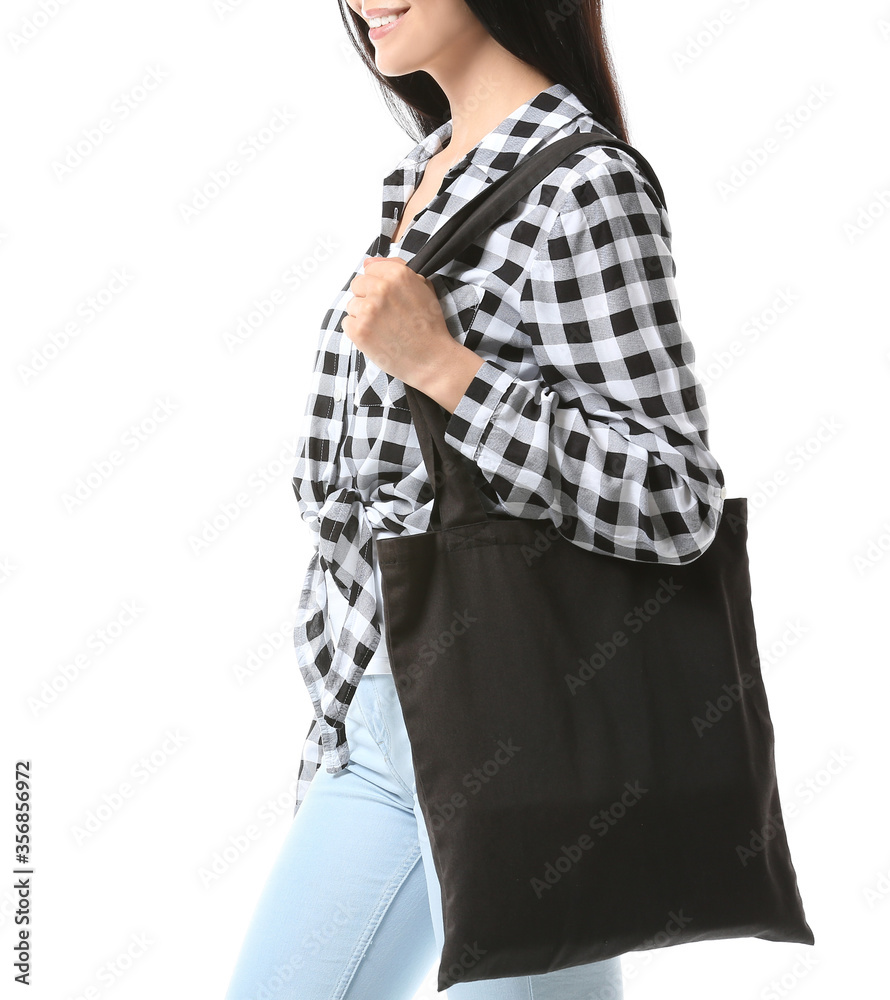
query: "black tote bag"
591, 739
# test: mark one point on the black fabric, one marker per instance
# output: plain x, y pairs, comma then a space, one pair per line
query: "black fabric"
591, 738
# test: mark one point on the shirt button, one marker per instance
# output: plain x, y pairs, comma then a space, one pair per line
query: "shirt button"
338, 394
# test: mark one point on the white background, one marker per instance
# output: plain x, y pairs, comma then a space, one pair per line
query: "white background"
810, 222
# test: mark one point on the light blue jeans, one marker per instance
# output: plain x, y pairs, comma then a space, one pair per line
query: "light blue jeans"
351, 909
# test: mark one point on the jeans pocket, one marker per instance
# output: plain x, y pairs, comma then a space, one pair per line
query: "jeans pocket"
395, 742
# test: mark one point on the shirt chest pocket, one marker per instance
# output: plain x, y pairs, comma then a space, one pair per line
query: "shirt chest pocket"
459, 302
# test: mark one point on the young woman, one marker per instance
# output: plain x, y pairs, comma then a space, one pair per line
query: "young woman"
555, 346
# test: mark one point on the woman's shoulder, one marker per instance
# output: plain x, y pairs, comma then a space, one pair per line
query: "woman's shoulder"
604, 171
599, 194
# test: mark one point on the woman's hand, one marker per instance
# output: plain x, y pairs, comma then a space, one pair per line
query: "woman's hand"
395, 319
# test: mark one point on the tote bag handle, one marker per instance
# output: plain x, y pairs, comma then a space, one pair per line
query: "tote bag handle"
456, 500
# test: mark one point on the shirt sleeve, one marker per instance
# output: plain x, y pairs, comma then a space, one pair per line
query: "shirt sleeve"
610, 441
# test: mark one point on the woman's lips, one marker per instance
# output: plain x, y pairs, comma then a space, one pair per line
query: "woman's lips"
376, 33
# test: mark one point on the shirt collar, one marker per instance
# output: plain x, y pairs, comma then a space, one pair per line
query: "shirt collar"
497, 152
534, 122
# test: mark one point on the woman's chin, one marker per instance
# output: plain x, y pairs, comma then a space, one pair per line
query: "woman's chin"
389, 67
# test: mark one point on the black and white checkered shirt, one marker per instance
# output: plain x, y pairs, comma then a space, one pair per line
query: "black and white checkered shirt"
585, 410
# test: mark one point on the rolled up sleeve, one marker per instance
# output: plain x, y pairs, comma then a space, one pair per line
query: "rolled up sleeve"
610, 441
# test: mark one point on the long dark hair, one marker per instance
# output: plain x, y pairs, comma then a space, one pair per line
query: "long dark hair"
569, 48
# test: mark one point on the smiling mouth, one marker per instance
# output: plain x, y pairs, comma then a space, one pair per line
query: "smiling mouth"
384, 29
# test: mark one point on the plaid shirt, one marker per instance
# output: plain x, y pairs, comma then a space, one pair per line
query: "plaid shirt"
585, 410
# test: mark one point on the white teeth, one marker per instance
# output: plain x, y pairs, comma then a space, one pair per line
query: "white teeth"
378, 22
